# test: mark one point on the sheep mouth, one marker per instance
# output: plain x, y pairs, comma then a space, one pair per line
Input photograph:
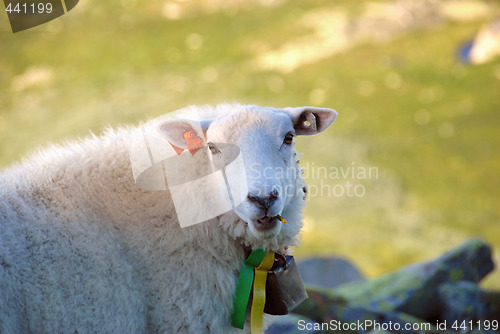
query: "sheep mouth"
266, 223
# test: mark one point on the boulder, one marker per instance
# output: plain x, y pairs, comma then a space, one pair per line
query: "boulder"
324, 306
439, 290
465, 301
413, 290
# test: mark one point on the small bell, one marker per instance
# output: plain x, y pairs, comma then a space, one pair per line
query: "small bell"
284, 287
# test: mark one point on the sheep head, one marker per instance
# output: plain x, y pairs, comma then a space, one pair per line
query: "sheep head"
273, 186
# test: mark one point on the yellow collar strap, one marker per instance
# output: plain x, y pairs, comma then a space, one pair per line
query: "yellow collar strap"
253, 271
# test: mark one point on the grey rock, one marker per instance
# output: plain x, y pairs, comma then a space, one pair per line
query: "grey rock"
328, 272
442, 289
413, 290
324, 306
465, 301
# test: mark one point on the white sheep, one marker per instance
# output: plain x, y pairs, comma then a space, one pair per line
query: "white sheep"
84, 250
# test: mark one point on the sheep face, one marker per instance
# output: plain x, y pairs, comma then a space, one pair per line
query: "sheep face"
265, 139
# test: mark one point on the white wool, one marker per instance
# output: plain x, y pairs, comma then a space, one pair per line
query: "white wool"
84, 250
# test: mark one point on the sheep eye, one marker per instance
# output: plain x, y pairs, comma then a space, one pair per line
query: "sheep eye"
213, 148
288, 138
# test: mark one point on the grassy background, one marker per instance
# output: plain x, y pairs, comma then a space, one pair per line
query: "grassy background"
407, 106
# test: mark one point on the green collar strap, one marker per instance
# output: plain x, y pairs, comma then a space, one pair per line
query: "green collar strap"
244, 286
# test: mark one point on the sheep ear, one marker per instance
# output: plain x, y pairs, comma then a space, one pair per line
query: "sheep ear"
311, 120
174, 129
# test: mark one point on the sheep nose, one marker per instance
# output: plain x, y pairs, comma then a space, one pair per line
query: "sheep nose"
264, 202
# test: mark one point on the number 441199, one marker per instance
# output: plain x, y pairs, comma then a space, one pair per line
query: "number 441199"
23, 8
475, 325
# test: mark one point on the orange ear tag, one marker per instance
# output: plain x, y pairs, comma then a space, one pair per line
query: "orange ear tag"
194, 143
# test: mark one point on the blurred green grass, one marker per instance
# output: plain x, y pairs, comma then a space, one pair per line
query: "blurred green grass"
407, 106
